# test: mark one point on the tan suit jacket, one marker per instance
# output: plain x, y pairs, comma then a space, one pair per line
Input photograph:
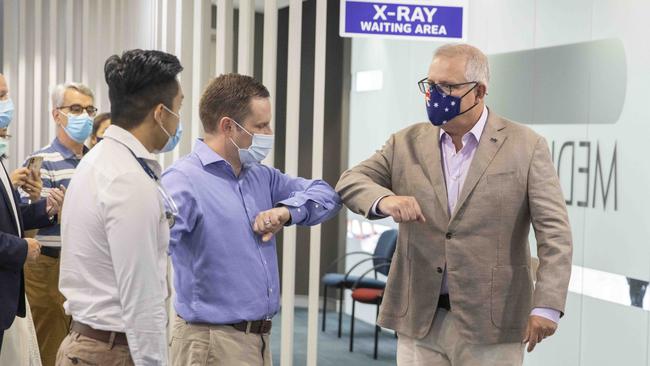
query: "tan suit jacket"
511, 183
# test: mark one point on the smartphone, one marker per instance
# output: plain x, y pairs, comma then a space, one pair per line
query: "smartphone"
34, 165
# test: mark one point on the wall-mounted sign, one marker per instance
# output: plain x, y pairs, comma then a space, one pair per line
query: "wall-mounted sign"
442, 20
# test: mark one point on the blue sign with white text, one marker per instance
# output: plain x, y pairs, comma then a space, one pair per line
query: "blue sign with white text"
402, 20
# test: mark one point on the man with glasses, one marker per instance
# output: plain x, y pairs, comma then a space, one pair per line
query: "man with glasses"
465, 188
72, 110
117, 218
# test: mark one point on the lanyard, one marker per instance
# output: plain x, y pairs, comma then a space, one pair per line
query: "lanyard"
171, 211
144, 165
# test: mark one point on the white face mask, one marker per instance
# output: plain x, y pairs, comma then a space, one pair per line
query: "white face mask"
259, 149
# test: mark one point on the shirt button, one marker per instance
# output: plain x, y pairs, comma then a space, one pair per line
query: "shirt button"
270, 290
448, 235
439, 270
298, 210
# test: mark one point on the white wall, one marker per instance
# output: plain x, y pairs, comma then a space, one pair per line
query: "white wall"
47, 42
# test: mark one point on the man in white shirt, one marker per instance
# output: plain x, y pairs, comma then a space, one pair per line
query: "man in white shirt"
116, 226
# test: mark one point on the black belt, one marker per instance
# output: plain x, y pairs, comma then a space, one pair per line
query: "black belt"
255, 327
443, 302
53, 252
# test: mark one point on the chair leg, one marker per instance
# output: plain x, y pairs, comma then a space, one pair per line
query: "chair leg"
352, 327
324, 306
341, 290
376, 333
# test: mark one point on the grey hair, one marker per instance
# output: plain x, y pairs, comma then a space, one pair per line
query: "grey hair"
59, 91
477, 67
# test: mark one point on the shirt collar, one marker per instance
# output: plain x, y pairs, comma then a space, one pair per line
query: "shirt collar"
64, 151
127, 139
205, 153
478, 128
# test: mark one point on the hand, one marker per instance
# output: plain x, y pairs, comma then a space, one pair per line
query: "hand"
33, 249
401, 208
270, 222
19, 176
538, 328
33, 186
55, 200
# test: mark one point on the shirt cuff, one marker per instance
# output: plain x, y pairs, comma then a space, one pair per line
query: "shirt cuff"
374, 211
548, 313
298, 215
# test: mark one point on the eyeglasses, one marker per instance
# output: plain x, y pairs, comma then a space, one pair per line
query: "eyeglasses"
445, 89
171, 210
78, 109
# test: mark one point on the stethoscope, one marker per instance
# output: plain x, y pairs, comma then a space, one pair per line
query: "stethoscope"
171, 210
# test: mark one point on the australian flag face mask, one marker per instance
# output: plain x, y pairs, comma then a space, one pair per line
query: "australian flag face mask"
443, 107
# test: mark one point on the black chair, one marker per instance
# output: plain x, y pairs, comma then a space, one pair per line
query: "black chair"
383, 254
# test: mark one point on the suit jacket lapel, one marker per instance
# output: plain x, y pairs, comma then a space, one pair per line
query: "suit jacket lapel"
430, 155
490, 143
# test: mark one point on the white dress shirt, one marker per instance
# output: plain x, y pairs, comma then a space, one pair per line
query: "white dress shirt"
7, 185
114, 256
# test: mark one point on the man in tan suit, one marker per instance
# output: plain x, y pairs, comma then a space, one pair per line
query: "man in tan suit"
465, 189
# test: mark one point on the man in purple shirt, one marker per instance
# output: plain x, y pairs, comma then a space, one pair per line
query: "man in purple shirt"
222, 244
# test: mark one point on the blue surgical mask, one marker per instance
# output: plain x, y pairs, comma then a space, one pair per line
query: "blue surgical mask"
172, 140
79, 127
442, 108
6, 112
259, 149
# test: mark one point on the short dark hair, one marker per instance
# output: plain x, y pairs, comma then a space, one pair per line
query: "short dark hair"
97, 122
229, 95
137, 82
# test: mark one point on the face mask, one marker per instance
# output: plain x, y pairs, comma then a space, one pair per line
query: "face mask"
172, 141
259, 149
442, 108
6, 112
79, 127
4, 146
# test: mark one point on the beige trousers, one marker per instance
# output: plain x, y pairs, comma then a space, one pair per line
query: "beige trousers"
78, 350
50, 320
217, 345
444, 346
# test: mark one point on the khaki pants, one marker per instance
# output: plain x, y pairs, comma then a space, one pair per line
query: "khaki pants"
444, 346
50, 321
78, 350
217, 345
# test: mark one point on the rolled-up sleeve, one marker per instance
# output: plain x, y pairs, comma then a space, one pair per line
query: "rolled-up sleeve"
310, 202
